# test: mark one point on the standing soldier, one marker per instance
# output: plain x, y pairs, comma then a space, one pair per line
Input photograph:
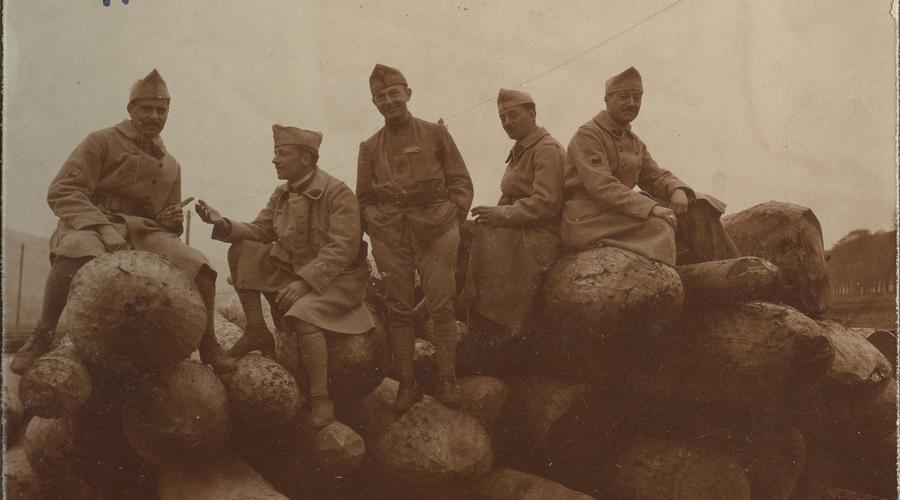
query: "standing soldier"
518, 240
605, 162
305, 252
414, 188
120, 188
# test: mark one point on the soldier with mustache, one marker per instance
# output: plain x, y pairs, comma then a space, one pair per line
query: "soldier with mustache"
606, 160
121, 189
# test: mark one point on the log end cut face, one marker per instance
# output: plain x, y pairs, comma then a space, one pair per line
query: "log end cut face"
263, 394
134, 307
182, 418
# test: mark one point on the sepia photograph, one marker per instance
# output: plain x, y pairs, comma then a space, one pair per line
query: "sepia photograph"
300, 249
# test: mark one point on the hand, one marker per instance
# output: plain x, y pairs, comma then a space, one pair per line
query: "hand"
678, 202
291, 293
665, 214
486, 215
208, 214
112, 240
171, 217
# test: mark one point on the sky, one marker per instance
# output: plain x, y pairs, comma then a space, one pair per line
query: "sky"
750, 101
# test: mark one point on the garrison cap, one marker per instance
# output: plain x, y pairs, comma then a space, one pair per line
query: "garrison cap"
507, 99
296, 136
151, 86
629, 79
384, 76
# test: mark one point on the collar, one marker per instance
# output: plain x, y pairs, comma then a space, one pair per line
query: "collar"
604, 121
312, 185
128, 130
401, 123
530, 140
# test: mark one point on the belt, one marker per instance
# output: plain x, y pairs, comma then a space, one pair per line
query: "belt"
412, 199
122, 205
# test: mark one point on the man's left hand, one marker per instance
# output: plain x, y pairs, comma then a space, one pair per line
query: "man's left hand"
678, 202
292, 293
171, 218
485, 215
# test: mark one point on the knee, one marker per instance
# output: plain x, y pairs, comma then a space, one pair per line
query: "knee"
67, 267
300, 326
443, 314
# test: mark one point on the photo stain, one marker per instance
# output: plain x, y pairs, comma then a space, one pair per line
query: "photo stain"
107, 2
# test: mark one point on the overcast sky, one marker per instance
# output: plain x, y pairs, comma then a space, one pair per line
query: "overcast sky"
749, 101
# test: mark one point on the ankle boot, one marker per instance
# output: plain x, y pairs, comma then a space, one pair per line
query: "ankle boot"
212, 354
402, 350
448, 392
37, 344
314, 354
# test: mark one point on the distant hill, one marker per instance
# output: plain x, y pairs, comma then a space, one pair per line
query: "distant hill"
36, 267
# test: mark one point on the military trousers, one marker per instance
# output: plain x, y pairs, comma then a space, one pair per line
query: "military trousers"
402, 255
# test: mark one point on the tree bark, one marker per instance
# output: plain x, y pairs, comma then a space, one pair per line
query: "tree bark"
728, 281
510, 484
224, 478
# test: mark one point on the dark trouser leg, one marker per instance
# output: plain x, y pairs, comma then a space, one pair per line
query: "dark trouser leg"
210, 351
396, 262
256, 334
700, 236
437, 268
56, 290
314, 354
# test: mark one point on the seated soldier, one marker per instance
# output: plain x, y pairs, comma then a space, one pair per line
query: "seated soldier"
519, 238
305, 252
120, 188
605, 161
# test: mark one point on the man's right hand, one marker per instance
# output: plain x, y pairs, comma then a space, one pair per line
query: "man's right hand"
666, 214
208, 214
111, 239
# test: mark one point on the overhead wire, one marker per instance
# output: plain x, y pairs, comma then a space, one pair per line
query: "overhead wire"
520, 84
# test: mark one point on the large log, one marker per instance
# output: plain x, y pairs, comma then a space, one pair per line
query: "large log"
338, 449
609, 290
790, 237
227, 332
262, 393
56, 385
728, 281
483, 397
430, 444
883, 340
224, 478
759, 358
182, 419
510, 484
134, 308
50, 447
656, 469
19, 480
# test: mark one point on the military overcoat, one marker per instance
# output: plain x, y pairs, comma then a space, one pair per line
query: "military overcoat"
311, 232
115, 177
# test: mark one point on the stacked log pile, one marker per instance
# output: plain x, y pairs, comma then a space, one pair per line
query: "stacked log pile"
635, 380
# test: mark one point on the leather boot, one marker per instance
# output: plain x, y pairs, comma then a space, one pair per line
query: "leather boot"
37, 344
212, 354
445, 340
256, 335
402, 350
314, 354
